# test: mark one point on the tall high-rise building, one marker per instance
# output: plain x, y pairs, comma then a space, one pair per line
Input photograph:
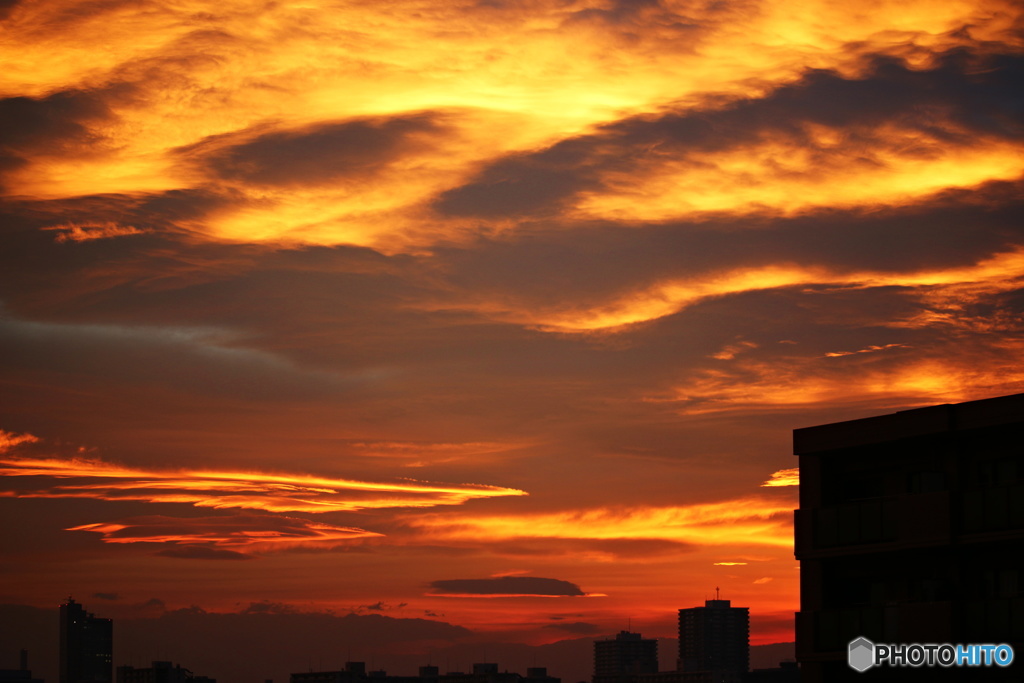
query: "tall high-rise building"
910, 530
86, 646
622, 658
715, 639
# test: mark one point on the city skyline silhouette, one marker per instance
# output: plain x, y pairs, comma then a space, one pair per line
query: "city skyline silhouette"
226, 646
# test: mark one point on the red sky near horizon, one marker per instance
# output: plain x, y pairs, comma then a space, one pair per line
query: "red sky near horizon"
499, 313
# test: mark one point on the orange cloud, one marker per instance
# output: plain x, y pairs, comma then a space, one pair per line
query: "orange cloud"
81, 232
174, 76
789, 382
243, 533
1000, 272
251, 490
868, 349
733, 350
9, 440
786, 176
786, 477
745, 521
420, 454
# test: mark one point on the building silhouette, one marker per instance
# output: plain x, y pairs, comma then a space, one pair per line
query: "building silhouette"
160, 672
621, 659
482, 673
910, 530
715, 639
714, 647
20, 675
353, 671
785, 672
86, 646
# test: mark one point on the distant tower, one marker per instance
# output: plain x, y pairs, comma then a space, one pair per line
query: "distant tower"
86, 646
619, 659
715, 638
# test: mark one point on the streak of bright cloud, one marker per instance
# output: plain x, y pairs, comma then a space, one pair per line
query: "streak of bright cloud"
787, 477
997, 273
249, 490
243, 534
755, 521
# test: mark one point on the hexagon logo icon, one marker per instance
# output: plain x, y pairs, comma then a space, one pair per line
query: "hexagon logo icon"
861, 654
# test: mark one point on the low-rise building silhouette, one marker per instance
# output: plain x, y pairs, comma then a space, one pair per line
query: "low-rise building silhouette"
20, 675
160, 672
785, 672
482, 673
621, 659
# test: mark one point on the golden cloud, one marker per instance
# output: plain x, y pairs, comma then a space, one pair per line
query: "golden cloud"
249, 490
786, 477
242, 533
172, 76
81, 232
744, 521
9, 440
868, 349
791, 382
786, 177
1000, 272
420, 454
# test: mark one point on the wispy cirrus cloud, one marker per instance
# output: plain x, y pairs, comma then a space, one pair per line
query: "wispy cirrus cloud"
420, 454
235, 536
9, 440
751, 520
230, 537
868, 349
787, 381
213, 489
993, 274
81, 232
787, 477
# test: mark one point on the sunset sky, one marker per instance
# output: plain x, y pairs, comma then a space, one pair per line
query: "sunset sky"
494, 313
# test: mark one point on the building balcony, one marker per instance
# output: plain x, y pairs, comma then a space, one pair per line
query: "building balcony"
824, 634
880, 524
